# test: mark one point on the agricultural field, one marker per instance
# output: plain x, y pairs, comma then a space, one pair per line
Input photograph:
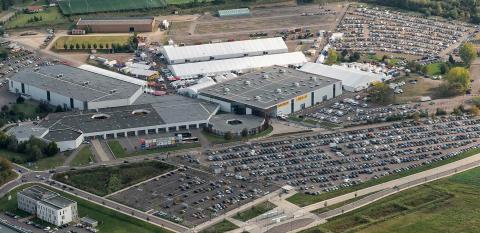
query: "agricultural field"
104, 180
51, 16
84, 41
447, 205
71, 7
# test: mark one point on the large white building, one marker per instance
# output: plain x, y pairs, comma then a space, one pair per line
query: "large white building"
272, 91
236, 65
353, 80
225, 50
47, 205
73, 88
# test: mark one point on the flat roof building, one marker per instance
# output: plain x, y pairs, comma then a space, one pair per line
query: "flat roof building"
224, 50
236, 65
47, 205
73, 88
149, 115
353, 80
272, 91
117, 25
234, 12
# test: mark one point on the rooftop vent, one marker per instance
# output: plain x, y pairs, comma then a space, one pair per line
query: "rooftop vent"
295, 84
100, 116
258, 97
278, 91
282, 71
226, 89
113, 91
265, 76
140, 112
313, 78
247, 82
59, 75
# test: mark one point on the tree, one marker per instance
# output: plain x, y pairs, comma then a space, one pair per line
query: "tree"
228, 136
380, 92
20, 100
451, 60
416, 116
458, 78
474, 110
65, 46
5, 108
332, 56
95, 45
3, 54
468, 53
5, 164
444, 68
51, 149
72, 46
245, 132
114, 184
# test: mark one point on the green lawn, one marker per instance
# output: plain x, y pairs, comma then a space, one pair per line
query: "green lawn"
434, 69
255, 211
220, 227
109, 220
51, 16
49, 162
216, 139
84, 157
12, 156
446, 205
302, 199
117, 149
107, 41
104, 180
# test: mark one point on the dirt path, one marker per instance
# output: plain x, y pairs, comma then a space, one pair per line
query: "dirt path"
69, 159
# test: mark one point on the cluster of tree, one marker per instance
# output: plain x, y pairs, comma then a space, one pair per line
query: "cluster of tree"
12, 114
35, 19
7, 4
457, 82
468, 53
380, 92
5, 170
3, 54
115, 47
466, 10
348, 56
33, 149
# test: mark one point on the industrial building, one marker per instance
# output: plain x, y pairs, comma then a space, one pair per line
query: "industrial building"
225, 50
73, 88
236, 65
273, 91
353, 80
149, 115
117, 25
47, 205
234, 12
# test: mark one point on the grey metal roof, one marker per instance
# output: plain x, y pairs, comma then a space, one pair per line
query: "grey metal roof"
59, 201
38, 193
161, 110
72, 83
62, 135
268, 87
25, 131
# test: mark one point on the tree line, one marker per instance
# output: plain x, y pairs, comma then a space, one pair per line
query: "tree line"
465, 10
33, 149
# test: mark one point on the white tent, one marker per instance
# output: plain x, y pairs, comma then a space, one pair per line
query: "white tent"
353, 80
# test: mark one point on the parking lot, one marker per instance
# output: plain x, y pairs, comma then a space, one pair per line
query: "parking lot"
29, 226
318, 163
373, 30
190, 197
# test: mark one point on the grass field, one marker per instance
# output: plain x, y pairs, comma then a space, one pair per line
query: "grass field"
42, 164
70, 7
117, 149
302, 199
434, 69
109, 220
106, 41
447, 205
84, 157
104, 180
255, 211
220, 227
51, 16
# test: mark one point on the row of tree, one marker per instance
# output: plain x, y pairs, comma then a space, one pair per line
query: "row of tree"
116, 47
6, 172
33, 149
465, 10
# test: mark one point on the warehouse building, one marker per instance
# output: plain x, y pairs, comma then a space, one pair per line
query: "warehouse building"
225, 50
149, 115
273, 91
47, 205
73, 88
117, 25
236, 65
353, 80
234, 12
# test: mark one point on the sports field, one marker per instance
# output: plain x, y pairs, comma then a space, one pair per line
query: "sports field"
447, 205
70, 7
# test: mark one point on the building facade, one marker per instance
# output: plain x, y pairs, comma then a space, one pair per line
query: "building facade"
117, 25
